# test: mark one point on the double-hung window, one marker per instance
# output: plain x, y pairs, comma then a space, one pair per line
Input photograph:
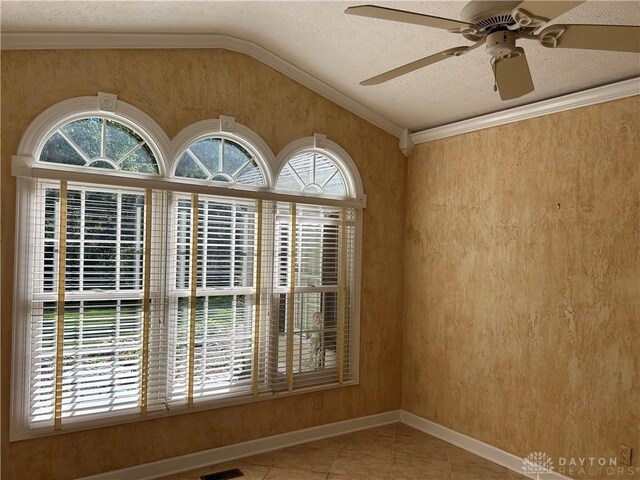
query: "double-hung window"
145, 290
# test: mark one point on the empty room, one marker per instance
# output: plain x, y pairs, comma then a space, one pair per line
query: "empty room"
305, 240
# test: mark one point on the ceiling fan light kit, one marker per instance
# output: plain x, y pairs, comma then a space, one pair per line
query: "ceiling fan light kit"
498, 25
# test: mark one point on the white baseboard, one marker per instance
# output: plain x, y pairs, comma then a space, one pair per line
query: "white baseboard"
484, 450
170, 466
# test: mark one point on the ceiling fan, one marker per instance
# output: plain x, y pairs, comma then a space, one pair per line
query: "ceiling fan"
499, 24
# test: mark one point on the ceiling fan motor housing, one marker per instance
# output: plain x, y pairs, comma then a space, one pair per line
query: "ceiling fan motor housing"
501, 43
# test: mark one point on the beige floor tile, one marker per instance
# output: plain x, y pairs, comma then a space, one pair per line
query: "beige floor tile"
266, 458
422, 447
334, 476
367, 465
304, 457
403, 430
251, 472
389, 429
394, 451
466, 466
410, 467
333, 443
276, 473
368, 443
475, 472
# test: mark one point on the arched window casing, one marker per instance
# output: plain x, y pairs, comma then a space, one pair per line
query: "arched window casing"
158, 276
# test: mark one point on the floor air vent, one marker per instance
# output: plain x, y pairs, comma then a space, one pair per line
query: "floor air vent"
225, 475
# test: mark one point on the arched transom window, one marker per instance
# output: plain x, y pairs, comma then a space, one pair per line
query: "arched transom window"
312, 172
220, 160
99, 143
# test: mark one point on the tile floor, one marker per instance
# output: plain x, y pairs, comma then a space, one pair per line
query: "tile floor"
390, 452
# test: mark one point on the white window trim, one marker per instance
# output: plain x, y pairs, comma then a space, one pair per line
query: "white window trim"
26, 169
102, 105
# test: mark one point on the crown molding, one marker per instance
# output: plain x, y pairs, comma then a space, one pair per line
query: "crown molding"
71, 41
606, 93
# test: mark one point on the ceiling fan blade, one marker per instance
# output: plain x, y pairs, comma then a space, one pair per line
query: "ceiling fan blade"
394, 15
513, 76
617, 38
410, 67
536, 12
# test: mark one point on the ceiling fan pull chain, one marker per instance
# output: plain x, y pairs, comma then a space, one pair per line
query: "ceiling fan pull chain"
495, 80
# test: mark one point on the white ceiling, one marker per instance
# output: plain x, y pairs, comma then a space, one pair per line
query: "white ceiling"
342, 50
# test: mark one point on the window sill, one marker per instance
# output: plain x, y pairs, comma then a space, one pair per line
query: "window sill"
23, 432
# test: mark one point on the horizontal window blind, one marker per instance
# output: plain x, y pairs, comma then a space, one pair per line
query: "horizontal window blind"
144, 300
313, 287
95, 290
212, 298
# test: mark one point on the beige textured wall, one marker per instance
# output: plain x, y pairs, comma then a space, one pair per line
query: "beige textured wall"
177, 88
522, 320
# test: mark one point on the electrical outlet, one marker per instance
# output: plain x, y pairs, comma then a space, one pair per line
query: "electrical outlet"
624, 454
317, 401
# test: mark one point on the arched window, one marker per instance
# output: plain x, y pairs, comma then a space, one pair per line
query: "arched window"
312, 172
317, 167
99, 142
144, 285
220, 160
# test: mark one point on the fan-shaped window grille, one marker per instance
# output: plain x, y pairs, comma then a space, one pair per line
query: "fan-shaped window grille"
312, 172
99, 143
220, 160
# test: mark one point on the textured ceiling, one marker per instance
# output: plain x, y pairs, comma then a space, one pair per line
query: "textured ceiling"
342, 50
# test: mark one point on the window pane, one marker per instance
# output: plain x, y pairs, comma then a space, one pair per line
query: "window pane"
303, 164
101, 362
102, 164
101, 341
187, 167
223, 320
314, 332
335, 186
250, 175
58, 150
312, 172
141, 161
236, 165
234, 157
105, 240
120, 140
325, 169
100, 143
223, 346
288, 180
315, 301
87, 134
208, 152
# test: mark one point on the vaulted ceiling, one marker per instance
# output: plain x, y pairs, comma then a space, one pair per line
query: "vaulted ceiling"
342, 50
